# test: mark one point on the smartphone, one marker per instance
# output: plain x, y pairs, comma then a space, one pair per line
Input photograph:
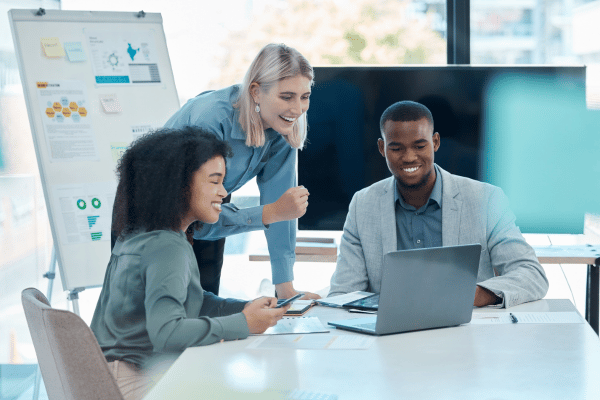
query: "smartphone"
288, 301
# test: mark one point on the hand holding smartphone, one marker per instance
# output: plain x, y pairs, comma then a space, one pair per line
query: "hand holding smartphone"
288, 301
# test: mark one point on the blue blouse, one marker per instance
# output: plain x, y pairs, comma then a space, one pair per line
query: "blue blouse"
273, 165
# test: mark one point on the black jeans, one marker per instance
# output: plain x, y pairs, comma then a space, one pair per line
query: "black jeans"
209, 254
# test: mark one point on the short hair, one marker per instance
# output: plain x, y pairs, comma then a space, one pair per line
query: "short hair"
273, 63
155, 175
405, 111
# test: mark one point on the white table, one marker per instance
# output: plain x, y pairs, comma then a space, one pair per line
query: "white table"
510, 361
573, 249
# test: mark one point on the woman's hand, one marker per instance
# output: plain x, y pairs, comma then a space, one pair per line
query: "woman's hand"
291, 205
286, 290
261, 313
310, 296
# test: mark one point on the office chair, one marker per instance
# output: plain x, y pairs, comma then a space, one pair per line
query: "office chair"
72, 364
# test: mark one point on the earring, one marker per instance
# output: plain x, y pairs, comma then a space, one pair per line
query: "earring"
257, 108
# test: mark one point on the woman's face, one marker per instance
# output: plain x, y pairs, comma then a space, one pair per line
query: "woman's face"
207, 191
283, 103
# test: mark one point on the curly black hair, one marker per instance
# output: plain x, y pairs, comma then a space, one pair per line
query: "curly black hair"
155, 175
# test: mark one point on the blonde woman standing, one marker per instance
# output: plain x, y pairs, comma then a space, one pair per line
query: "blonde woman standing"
264, 122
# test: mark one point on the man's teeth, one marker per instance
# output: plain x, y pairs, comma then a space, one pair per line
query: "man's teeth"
288, 119
410, 169
217, 206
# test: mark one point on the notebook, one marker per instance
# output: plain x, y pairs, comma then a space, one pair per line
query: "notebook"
423, 289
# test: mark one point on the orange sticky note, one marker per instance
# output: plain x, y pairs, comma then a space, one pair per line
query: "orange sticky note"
52, 47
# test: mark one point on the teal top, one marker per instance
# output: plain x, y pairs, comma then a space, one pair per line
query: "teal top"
152, 302
273, 165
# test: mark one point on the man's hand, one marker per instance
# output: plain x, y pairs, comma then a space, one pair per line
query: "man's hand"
484, 297
286, 290
261, 313
291, 205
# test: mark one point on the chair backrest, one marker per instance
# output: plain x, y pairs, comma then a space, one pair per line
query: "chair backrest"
72, 364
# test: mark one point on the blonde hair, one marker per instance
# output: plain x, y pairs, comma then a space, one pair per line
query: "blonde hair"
273, 63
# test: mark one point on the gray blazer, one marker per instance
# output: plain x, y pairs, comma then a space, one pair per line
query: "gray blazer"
472, 212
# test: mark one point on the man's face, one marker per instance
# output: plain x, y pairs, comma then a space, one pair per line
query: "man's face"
408, 148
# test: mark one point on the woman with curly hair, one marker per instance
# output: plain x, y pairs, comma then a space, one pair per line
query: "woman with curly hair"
264, 121
152, 301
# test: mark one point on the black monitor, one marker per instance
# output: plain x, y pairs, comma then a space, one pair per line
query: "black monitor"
341, 156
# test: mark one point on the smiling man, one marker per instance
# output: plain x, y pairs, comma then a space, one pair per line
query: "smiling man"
422, 205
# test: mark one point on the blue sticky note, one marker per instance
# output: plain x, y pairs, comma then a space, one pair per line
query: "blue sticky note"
74, 51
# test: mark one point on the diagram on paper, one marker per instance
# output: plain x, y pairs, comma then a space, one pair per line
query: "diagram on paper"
85, 211
123, 57
65, 117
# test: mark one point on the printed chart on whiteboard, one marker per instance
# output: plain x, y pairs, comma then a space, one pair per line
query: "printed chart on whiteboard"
64, 108
122, 57
85, 211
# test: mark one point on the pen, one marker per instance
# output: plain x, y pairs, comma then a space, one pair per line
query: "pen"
356, 310
513, 318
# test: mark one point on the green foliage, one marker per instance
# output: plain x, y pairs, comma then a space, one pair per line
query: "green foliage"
390, 39
333, 60
357, 43
418, 55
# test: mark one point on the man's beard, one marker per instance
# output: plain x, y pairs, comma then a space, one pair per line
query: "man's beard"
418, 185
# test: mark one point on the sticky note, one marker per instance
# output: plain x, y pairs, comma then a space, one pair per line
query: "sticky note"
75, 51
117, 149
52, 47
110, 103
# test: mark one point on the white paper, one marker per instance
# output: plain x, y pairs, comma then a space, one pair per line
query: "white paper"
139, 130
313, 342
338, 301
110, 103
67, 124
123, 57
84, 211
287, 326
570, 317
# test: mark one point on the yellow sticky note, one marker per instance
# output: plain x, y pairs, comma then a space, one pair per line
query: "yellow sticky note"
52, 47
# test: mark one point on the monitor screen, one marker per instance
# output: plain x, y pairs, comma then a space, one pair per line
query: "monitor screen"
341, 155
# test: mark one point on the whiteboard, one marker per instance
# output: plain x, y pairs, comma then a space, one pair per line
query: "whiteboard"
92, 82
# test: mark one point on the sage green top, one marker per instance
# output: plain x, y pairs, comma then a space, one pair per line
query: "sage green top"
152, 302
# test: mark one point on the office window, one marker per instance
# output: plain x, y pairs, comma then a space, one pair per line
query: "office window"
211, 44
350, 32
553, 32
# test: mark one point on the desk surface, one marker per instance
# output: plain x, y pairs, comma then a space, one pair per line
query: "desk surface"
565, 248
510, 361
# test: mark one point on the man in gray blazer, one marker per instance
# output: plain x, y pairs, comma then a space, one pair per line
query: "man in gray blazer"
422, 205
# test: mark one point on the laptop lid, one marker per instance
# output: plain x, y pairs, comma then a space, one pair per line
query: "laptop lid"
424, 289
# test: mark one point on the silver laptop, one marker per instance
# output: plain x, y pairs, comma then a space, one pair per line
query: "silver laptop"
423, 289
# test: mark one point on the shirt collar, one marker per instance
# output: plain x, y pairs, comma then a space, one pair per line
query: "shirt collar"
271, 134
435, 196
